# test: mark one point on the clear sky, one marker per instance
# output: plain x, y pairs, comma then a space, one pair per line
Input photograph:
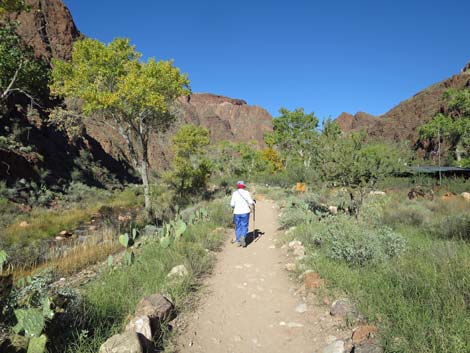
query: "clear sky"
325, 56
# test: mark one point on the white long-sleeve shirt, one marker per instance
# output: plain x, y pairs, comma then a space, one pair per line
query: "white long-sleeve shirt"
241, 201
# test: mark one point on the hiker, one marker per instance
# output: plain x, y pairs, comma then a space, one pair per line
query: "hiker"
241, 202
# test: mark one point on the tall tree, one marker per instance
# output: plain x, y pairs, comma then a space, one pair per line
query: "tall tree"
190, 167
128, 95
295, 135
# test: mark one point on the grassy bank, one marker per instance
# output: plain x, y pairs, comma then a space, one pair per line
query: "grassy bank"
108, 302
405, 264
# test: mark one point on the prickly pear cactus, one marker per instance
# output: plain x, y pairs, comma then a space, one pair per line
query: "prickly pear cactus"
124, 240
37, 344
31, 321
180, 228
165, 242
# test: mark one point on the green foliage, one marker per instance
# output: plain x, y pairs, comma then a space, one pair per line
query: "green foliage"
295, 135
127, 240
3, 259
133, 96
20, 71
452, 129
453, 226
30, 321
37, 344
295, 213
8, 6
190, 169
358, 244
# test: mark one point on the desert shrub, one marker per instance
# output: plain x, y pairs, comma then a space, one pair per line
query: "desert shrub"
296, 212
357, 243
412, 213
453, 226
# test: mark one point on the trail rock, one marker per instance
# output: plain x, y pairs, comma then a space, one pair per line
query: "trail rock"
301, 308
465, 195
312, 280
363, 333
333, 209
294, 243
178, 271
156, 307
299, 251
127, 342
341, 307
142, 325
65, 233
335, 347
290, 267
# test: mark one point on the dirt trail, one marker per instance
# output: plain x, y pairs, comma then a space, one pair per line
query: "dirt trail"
250, 304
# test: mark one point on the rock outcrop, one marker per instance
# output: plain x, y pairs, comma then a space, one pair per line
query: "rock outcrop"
49, 28
360, 120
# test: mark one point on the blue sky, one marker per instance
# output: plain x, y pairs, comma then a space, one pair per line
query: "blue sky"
325, 56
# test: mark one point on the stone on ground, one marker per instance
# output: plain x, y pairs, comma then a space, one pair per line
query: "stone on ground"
341, 307
127, 342
156, 307
178, 271
334, 347
142, 325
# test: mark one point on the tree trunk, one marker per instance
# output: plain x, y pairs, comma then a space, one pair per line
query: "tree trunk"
145, 182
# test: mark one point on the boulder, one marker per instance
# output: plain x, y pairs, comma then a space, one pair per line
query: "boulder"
362, 333
141, 324
465, 195
65, 234
341, 307
156, 307
178, 271
127, 342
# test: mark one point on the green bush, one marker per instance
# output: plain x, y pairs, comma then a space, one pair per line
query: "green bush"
344, 239
295, 213
412, 213
453, 226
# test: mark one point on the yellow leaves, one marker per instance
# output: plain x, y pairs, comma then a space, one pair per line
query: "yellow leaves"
112, 78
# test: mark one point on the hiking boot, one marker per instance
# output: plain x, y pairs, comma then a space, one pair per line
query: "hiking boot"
243, 242
237, 243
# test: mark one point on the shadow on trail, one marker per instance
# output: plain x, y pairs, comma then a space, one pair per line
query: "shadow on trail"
253, 236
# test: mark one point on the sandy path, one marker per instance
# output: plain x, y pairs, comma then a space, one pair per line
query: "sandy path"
250, 303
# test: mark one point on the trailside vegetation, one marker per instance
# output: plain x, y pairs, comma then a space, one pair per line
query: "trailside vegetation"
126, 94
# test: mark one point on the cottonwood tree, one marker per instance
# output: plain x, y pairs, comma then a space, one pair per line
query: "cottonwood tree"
294, 135
349, 161
130, 96
190, 169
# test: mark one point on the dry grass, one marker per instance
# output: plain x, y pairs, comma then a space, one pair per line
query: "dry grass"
78, 257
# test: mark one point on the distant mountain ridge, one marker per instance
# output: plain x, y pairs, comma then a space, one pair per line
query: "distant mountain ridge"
403, 121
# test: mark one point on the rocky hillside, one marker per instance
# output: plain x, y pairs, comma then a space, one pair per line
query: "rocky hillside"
226, 118
360, 120
49, 28
402, 122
